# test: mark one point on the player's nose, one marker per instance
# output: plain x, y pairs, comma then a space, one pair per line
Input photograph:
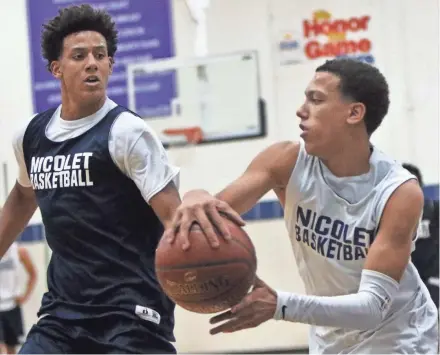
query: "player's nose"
302, 112
91, 62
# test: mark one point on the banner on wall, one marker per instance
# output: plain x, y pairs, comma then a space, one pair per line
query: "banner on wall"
325, 36
145, 33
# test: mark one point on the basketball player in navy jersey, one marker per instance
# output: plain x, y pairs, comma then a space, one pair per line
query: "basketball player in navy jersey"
105, 189
351, 214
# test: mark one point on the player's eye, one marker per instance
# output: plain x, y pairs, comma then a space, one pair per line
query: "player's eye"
315, 100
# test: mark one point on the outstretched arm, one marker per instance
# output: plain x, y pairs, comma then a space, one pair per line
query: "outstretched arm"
139, 154
21, 202
385, 264
270, 170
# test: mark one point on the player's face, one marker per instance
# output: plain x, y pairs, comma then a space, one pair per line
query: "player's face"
323, 115
84, 66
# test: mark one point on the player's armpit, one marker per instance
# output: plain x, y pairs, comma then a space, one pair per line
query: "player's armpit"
165, 203
390, 252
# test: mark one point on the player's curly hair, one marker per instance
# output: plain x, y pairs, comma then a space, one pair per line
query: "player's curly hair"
74, 19
362, 82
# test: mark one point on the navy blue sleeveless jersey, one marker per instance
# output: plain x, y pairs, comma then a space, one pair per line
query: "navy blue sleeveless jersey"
102, 232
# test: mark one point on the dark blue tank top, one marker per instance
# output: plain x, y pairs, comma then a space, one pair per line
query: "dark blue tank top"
102, 233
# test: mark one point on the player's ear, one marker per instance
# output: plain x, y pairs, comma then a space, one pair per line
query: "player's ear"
356, 113
110, 63
55, 69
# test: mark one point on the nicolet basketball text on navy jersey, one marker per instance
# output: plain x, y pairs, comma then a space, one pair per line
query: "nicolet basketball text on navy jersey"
332, 238
51, 172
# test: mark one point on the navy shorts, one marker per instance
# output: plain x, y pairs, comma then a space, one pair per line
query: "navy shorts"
108, 335
11, 327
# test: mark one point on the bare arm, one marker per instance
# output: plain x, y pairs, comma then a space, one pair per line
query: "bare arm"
17, 211
391, 250
269, 170
165, 203
138, 152
21, 202
29, 266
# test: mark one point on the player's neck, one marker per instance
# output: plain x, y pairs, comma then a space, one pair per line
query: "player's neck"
73, 110
352, 159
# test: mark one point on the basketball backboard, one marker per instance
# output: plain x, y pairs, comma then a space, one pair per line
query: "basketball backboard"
217, 96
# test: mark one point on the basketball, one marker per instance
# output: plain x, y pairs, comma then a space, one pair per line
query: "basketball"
206, 280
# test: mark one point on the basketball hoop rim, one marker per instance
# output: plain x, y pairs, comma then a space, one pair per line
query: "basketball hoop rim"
193, 135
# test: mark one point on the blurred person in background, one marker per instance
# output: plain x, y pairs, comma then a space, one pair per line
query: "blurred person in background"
11, 320
426, 255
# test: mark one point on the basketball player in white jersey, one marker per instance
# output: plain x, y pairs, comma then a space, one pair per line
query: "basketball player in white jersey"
11, 322
351, 214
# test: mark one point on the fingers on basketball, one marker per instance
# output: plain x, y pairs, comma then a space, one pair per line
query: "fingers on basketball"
218, 278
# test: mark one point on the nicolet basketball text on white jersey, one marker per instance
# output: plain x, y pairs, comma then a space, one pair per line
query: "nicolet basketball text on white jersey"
332, 238
51, 172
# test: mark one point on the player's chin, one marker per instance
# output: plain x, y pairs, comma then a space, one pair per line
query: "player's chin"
93, 93
312, 147
93, 88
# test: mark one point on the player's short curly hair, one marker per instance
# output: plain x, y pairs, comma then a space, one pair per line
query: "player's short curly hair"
362, 82
75, 19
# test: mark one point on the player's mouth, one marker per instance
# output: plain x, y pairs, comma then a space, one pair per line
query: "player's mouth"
304, 130
92, 80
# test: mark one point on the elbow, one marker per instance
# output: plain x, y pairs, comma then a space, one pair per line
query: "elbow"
377, 310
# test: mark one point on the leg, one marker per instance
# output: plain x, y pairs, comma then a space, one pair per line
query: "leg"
48, 336
13, 329
2, 336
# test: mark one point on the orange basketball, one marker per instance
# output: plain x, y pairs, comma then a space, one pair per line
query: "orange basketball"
206, 280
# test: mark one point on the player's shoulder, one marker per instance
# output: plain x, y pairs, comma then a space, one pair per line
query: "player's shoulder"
282, 151
407, 198
280, 158
411, 190
128, 123
18, 135
128, 129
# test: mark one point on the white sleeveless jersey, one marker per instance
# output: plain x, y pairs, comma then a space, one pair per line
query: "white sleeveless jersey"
9, 278
331, 223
